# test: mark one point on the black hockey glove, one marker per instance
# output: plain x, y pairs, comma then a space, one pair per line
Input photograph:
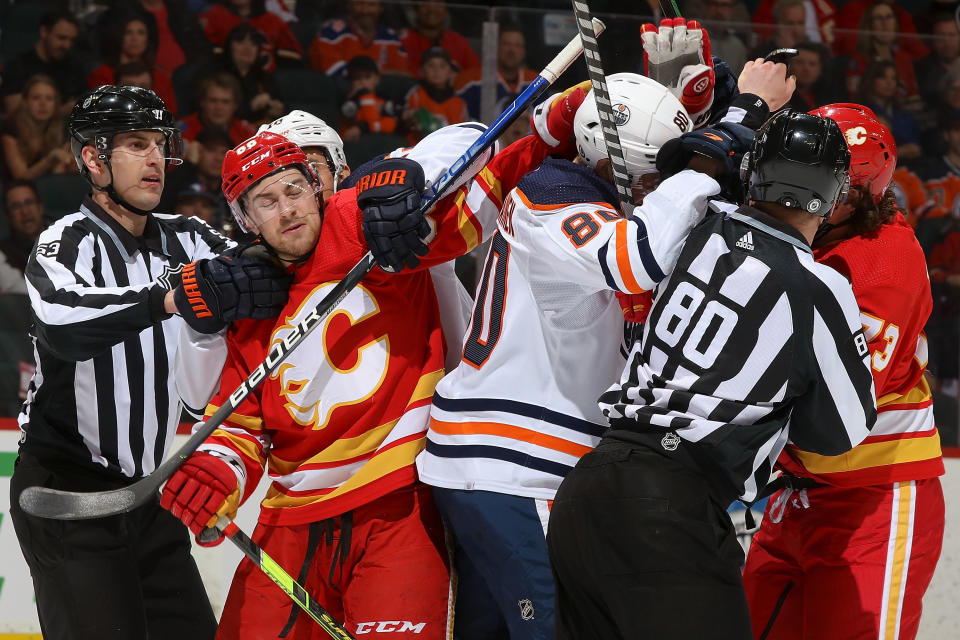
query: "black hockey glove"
725, 141
392, 224
248, 284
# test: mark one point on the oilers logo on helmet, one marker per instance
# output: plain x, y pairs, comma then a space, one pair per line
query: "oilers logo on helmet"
621, 114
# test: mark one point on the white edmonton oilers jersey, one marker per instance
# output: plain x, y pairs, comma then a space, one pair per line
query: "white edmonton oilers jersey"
547, 333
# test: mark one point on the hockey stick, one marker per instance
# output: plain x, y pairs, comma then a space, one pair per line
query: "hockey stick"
276, 573
611, 138
68, 505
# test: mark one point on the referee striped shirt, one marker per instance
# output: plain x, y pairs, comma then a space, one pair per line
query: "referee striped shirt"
103, 396
749, 343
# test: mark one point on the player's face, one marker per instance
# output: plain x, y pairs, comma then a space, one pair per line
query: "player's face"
318, 160
647, 183
284, 210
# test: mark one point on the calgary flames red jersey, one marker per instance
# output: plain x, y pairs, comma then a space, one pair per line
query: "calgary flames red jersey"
889, 277
341, 421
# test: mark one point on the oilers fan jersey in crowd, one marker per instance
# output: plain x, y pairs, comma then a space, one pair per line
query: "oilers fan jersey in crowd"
102, 395
749, 343
342, 419
895, 303
521, 408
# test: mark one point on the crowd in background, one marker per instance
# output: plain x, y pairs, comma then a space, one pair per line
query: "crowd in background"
388, 73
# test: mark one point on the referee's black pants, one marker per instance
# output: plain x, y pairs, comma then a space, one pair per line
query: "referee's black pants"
128, 577
640, 549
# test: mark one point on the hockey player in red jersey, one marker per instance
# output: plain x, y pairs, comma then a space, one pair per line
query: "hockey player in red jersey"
849, 544
340, 423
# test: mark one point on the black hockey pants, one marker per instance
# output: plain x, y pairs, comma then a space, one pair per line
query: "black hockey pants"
640, 549
124, 577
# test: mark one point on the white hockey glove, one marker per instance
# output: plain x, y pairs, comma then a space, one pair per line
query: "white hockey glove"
677, 55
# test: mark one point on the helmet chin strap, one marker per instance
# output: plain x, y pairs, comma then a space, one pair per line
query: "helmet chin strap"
113, 195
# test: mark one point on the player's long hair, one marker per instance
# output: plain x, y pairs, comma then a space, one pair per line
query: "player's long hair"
868, 216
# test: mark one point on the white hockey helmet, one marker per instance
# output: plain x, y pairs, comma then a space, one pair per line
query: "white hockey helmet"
307, 130
647, 115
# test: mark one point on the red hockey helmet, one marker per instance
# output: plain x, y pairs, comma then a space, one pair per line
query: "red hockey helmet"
873, 153
250, 162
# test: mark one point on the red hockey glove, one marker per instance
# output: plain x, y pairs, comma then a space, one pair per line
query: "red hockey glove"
201, 491
636, 306
552, 119
677, 55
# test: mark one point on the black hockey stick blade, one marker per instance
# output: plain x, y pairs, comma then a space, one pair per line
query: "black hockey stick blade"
68, 505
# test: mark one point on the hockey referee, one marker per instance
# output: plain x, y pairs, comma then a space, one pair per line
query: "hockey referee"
749, 343
102, 407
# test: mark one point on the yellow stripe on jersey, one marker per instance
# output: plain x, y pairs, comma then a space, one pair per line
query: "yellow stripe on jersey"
340, 450
426, 386
242, 445
873, 454
344, 449
247, 422
464, 223
920, 393
379, 466
898, 569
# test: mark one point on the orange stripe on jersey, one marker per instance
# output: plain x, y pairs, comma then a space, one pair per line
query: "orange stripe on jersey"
553, 207
245, 422
623, 259
867, 455
509, 431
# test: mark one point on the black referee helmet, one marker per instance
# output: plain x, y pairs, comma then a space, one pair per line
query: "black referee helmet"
103, 112
800, 161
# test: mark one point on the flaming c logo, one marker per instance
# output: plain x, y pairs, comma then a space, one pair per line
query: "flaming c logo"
856, 135
332, 368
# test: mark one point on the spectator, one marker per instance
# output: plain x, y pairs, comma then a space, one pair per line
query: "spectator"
519, 129
432, 103
358, 34
944, 57
51, 56
133, 74
941, 179
512, 75
878, 40
201, 173
33, 137
244, 55
219, 98
814, 77
282, 46
848, 20
911, 196
364, 111
179, 35
879, 90
819, 20
429, 30
725, 42
127, 37
25, 215
789, 27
